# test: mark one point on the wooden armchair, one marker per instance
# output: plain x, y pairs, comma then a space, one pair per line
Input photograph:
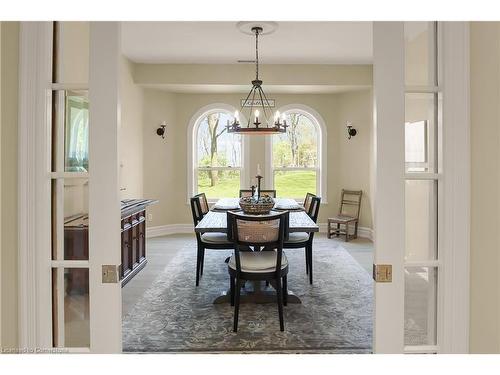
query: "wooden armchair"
350, 204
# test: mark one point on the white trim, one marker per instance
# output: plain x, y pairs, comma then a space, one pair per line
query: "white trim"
165, 230
192, 150
422, 89
35, 309
322, 167
421, 349
456, 188
70, 86
104, 200
389, 195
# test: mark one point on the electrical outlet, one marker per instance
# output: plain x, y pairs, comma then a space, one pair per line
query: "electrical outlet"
150, 217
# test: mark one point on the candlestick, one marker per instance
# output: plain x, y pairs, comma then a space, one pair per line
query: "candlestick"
258, 186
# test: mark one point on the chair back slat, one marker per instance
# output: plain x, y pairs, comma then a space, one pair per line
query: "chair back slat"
307, 201
199, 207
203, 203
350, 203
265, 231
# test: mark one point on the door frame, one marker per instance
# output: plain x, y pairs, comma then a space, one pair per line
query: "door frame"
453, 179
34, 208
35, 176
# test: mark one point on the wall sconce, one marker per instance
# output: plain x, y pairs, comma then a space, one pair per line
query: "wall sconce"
351, 132
161, 130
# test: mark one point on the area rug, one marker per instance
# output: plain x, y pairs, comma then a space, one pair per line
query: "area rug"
175, 316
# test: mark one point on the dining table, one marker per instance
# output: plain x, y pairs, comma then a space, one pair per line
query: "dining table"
215, 220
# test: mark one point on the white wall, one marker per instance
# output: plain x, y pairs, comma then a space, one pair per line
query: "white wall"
131, 134
164, 177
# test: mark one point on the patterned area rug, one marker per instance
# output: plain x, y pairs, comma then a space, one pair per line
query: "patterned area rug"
175, 316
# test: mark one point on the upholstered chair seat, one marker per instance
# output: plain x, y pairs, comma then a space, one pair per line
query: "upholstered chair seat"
215, 238
297, 237
264, 261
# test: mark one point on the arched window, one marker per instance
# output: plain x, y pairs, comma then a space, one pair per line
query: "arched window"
217, 156
297, 165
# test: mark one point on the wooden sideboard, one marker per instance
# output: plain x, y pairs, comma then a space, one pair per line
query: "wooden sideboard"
133, 239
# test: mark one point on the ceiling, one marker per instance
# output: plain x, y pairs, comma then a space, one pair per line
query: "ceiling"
223, 43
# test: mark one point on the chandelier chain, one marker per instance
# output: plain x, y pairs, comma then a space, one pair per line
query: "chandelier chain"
257, 53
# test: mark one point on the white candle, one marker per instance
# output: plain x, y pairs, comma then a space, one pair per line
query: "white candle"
258, 170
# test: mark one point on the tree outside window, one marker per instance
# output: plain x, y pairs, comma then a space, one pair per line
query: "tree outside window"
219, 157
295, 157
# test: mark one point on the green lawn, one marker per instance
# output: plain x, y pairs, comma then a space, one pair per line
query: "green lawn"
228, 186
290, 184
294, 184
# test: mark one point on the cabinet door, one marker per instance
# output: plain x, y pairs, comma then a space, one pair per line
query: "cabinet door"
142, 236
126, 266
134, 242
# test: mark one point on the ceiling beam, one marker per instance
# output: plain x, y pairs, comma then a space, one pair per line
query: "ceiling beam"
242, 74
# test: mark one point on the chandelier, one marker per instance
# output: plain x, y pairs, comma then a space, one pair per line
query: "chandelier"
262, 121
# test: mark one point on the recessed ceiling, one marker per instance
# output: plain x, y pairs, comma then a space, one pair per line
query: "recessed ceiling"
223, 43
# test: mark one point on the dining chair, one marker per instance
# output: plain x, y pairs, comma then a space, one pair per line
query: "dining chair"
299, 240
205, 241
350, 205
248, 193
270, 265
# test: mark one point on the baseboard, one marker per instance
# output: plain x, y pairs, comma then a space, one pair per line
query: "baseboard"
363, 232
165, 230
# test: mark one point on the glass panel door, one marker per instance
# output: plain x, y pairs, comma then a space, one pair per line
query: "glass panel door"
70, 187
85, 207
422, 186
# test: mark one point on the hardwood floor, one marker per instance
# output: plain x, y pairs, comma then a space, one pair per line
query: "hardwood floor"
160, 250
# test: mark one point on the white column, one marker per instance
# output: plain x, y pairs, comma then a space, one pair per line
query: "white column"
388, 80
104, 203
